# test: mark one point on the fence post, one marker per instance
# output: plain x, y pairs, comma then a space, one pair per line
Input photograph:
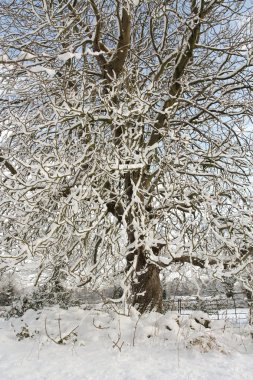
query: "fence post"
179, 306
250, 312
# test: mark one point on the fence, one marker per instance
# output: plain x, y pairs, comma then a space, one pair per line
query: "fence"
235, 308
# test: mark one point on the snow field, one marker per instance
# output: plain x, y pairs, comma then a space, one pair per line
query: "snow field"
76, 344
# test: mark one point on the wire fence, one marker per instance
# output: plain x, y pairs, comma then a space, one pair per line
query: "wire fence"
236, 308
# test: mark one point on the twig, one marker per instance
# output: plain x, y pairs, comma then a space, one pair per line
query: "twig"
61, 340
53, 340
116, 344
99, 326
135, 327
59, 325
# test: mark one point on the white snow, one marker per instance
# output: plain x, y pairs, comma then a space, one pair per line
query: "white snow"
39, 69
127, 167
68, 55
105, 345
94, 53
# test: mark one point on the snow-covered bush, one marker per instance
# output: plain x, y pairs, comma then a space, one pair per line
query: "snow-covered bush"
9, 289
40, 297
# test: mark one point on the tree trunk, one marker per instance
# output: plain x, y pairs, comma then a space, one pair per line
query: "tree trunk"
146, 286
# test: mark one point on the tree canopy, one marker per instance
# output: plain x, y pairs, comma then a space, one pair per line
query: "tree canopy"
126, 139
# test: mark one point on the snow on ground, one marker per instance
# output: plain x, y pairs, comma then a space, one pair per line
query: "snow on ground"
77, 344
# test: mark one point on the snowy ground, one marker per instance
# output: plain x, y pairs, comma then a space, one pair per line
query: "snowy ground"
103, 345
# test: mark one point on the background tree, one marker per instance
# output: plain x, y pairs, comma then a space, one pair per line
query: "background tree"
125, 143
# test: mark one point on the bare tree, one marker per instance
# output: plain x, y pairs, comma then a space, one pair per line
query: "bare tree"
125, 138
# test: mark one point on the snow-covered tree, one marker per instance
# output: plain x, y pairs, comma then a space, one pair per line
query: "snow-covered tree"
125, 139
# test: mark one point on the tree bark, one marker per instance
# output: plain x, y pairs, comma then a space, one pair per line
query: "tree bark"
146, 285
